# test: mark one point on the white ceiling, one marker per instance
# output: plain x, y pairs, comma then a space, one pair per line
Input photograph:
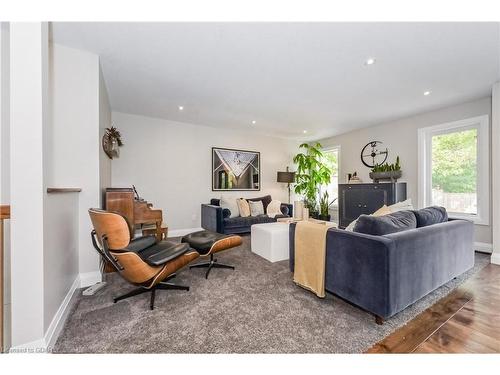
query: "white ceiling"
289, 77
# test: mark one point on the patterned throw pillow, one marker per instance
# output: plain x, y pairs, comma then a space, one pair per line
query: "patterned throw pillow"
256, 208
231, 205
243, 207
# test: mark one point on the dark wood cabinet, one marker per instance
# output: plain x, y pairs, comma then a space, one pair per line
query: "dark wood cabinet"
358, 199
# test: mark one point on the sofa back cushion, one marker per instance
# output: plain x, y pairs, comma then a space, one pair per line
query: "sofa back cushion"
386, 224
431, 215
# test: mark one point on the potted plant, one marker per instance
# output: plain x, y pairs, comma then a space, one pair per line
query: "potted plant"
311, 173
324, 207
386, 172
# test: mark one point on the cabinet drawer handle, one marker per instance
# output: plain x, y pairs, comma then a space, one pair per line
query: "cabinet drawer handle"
364, 206
359, 205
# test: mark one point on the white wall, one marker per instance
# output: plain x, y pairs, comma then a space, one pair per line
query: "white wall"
29, 81
170, 164
5, 168
400, 137
495, 163
75, 155
104, 122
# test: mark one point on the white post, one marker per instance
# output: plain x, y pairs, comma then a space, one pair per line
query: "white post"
495, 167
28, 110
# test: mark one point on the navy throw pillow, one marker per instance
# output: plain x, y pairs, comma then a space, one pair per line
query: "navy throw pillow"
386, 224
431, 215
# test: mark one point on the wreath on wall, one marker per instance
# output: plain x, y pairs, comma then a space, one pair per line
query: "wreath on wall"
111, 142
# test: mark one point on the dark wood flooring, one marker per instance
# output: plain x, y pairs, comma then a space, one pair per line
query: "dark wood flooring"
465, 321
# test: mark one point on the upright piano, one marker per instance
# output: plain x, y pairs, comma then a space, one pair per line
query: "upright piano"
136, 210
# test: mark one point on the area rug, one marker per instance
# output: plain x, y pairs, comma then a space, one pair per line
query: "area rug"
254, 309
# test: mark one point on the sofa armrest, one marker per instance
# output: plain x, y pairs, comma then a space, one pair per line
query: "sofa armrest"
212, 218
287, 209
425, 258
357, 268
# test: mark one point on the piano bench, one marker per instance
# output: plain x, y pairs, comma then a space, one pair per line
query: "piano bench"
151, 230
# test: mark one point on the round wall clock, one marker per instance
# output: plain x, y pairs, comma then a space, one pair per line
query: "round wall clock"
373, 154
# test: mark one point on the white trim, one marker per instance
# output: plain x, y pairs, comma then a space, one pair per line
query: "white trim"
34, 347
45, 344
483, 247
90, 278
182, 232
424, 164
61, 315
495, 258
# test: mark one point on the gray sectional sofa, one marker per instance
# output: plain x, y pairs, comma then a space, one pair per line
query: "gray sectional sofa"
385, 273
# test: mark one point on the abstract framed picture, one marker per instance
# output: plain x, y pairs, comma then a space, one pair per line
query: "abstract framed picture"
234, 170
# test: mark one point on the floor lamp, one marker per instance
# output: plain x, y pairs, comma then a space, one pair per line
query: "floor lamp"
286, 177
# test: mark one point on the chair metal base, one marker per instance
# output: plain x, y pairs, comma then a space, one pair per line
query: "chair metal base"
212, 263
162, 285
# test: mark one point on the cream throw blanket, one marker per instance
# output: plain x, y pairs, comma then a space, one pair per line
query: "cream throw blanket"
310, 255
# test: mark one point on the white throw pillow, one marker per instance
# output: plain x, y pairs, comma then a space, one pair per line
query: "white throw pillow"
274, 208
400, 206
231, 205
256, 208
243, 207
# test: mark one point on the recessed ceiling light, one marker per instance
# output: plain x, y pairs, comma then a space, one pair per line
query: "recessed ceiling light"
427, 93
254, 122
370, 61
181, 108
304, 131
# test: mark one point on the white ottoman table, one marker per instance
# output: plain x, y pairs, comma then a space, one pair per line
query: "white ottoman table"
270, 241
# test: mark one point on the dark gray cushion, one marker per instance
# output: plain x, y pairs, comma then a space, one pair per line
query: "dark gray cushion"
239, 222
391, 223
430, 215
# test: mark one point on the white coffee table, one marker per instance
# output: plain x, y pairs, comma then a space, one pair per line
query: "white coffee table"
270, 241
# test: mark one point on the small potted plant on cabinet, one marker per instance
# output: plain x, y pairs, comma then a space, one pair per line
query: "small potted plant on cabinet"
386, 172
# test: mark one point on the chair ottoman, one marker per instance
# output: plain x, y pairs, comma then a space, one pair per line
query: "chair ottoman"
206, 243
270, 241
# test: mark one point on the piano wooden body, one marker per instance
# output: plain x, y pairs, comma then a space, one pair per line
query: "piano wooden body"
136, 211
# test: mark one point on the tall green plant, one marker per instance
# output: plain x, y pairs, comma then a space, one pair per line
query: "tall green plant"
311, 173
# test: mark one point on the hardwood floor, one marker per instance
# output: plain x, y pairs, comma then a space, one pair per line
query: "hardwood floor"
465, 321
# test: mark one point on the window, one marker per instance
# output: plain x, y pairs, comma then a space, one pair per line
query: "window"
454, 168
332, 159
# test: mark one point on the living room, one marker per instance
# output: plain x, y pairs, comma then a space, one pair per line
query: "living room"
250, 187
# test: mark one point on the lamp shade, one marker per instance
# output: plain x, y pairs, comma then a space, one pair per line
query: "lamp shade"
288, 177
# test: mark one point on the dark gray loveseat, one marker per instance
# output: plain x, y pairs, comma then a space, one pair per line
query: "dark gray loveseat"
216, 219
384, 274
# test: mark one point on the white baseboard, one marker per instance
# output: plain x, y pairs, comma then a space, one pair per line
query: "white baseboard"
90, 278
483, 247
46, 343
59, 319
182, 232
495, 258
35, 347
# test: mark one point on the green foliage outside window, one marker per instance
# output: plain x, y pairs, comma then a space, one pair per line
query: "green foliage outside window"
454, 162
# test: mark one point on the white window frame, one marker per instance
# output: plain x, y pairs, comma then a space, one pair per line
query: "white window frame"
481, 123
339, 155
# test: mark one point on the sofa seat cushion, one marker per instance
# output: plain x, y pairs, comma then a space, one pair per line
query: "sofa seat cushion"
240, 222
386, 224
431, 215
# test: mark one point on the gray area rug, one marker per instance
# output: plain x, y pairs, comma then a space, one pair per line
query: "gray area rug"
255, 309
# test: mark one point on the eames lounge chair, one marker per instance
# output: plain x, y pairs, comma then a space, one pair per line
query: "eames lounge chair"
141, 261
